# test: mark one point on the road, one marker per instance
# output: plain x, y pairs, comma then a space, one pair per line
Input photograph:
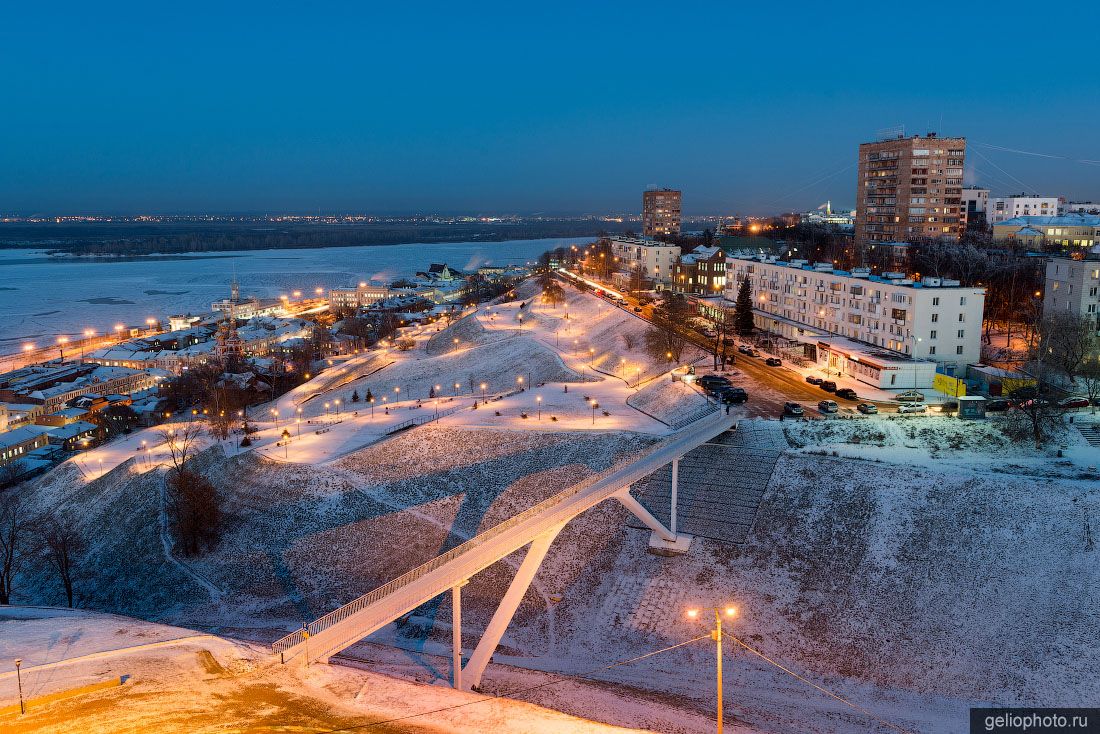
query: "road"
768, 387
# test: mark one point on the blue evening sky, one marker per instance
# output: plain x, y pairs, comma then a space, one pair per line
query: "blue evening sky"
521, 107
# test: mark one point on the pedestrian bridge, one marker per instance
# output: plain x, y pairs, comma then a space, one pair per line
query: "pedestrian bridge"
535, 527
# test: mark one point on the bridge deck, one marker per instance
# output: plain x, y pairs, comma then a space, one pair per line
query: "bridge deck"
370, 612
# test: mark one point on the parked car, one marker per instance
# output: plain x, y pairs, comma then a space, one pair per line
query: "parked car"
867, 408
827, 385
996, 405
733, 395
1024, 393
793, 409
773, 362
813, 380
847, 392
713, 379
911, 396
637, 309
1069, 403
744, 349
949, 406
754, 353
912, 408
828, 406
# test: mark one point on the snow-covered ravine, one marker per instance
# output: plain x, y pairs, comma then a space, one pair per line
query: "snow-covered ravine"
902, 573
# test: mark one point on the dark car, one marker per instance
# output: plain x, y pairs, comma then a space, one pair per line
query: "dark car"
1024, 393
827, 385
793, 409
847, 392
867, 408
637, 309
773, 362
733, 395
713, 380
950, 406
996, 405
813, 380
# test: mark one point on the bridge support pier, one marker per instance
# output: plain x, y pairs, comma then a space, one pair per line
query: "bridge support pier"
663, 542
479, 660
456, 635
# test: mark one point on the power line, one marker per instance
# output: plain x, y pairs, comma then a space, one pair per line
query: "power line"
810, 683
517, 691
990, 162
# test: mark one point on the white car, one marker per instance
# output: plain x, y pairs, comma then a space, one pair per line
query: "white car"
912, 408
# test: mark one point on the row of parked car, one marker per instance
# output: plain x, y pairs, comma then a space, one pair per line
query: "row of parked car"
826, 407
720, 388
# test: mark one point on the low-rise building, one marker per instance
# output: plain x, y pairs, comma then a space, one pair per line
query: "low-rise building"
16, 444
363, 295
1067, 230
975, 206
655, 261
935, 320
701, 272
1002, 208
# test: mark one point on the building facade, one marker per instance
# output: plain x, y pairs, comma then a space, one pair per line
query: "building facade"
660, 212
655, 260
363, 295
1072, 286
934, 320
1003, 208
1067, 230
701, 272
975, 203
910, 188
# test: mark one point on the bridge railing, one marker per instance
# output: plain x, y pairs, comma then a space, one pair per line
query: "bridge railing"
341, 613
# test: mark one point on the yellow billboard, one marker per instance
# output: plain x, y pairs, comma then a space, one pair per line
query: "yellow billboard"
949, 385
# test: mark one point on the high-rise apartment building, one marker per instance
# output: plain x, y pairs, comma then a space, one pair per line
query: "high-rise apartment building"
660, 212
910, 188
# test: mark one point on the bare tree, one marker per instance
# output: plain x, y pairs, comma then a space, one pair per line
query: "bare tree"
553, 294
1064, 340
11, 472
666, 338
1089, 375
61, 546
182, 440
192, 501
12, 526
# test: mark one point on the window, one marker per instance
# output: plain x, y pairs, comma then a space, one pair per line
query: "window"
936, 301
935, 317
962, 317
931, 351
932, 334
962, 300
961, 333
959, 349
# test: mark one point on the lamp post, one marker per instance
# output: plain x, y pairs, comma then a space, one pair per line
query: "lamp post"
483, 386
61, 341
275, 413
298, 425
286, 442
337, 402
372, 408
456, 390
595, 406
538, 402
716, 635
19, 681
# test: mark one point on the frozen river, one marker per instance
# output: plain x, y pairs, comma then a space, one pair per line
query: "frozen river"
44, 297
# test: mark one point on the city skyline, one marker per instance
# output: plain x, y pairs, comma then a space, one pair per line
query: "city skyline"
496, 112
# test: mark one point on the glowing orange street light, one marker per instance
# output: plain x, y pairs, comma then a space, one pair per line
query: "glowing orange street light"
728, 612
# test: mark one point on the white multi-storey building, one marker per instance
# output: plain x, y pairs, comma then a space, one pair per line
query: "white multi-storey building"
1073, 286
1001, 208
656, 260
931, 321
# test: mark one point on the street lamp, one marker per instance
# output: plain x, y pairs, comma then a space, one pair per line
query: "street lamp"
372, 408
19, 680
286, 442
716, 634
455, 340
298, 424
456, 389
337, 401
483, 386
538, 401
61, 342
595, 406
275, 413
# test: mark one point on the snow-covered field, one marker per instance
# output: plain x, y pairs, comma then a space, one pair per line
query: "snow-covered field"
43, 297
179, 680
